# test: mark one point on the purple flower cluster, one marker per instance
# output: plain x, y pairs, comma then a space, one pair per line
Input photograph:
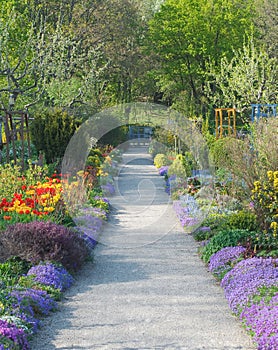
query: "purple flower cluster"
99, 212
89, 226
184, 214
251, 288
222, 261
108, 189
163, 170
262, 320
12, 337
31, 302
244, 280
51, 275
168, 183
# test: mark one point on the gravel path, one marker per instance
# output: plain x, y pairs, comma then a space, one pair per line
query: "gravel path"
147, 288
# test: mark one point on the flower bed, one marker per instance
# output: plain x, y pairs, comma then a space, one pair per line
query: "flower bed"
238, 245
32, 214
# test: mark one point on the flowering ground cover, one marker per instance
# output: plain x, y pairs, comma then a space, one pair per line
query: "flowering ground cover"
241, 249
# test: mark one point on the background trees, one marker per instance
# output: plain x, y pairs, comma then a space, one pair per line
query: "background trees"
187, 35
86, 55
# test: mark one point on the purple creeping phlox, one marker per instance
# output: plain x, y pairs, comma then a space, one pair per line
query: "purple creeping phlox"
12, 337
223, 260
183, 214
52, 275
163, 170
32, 302
262, 320
244, 280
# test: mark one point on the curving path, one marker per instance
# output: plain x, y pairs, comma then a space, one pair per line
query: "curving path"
147, 288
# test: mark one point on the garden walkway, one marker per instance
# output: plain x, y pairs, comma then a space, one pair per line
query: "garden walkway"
147, 288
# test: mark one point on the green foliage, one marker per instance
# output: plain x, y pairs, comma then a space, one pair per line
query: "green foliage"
226, 238
220, 152
160, 160
186, 35
18, 152
265, 200
12, 269
243, 219
97, 202
189, 163
157, 147
26, 281
115, 137
250, 76
177, 167
52, 131
95, 158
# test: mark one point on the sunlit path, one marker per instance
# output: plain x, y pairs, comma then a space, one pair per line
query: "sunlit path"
147, 288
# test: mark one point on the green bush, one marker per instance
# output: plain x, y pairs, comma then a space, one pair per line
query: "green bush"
177, 167
51, 132
226, 238
243, 219
189, 163
160, 160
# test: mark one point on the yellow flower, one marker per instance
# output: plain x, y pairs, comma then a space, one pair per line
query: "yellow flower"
49, 209
30, 192
270, 175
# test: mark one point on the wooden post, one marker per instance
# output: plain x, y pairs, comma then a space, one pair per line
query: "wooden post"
216, 123
221, 123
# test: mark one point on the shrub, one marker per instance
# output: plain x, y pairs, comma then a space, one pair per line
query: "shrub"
177, 168
249, 160
52, 131
226, 238
243, 219
265, 200
44, 241
157, 147
160, 160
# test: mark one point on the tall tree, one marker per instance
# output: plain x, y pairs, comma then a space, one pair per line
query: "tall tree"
251, 76
187, 34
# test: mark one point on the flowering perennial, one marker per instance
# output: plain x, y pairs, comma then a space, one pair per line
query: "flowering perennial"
184, 214
223, 260
51, 275
12, 337
39, 301
262, 320
163, 170
33, 201
244, 280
